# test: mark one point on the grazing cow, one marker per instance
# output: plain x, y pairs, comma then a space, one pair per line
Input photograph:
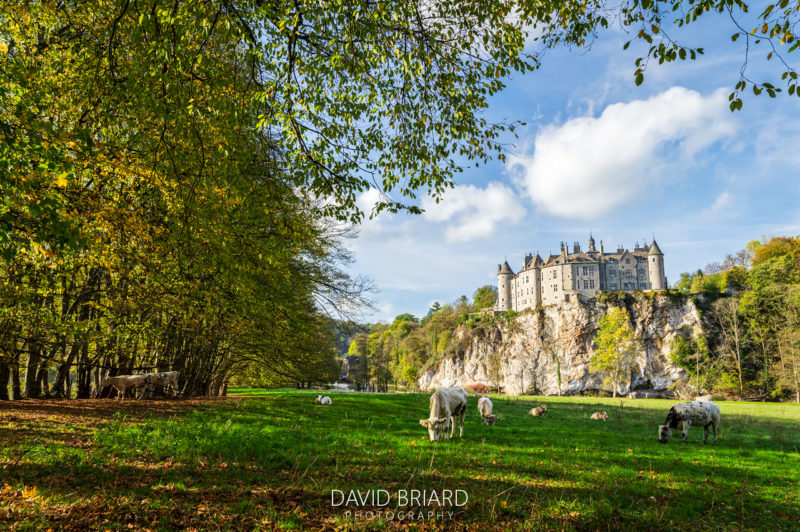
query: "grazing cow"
485, 410
707, 397
600, 415
446, 405
323, 400
122, 383
538, 411
682, 415
165, 379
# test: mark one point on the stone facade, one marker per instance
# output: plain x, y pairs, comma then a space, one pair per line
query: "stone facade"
579, 274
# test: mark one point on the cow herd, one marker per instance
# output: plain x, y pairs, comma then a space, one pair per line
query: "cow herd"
145, 382
448, 408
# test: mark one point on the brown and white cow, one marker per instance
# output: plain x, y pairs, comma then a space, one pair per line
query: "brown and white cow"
446, 405
600, 415
538, 411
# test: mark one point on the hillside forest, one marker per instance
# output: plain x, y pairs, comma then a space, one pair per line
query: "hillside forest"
749, 304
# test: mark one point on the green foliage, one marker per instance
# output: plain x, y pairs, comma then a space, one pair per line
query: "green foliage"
617, 346
485, 297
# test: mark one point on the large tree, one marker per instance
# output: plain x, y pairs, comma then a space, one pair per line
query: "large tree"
617, 346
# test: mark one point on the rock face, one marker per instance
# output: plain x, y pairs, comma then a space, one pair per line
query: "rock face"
546, 351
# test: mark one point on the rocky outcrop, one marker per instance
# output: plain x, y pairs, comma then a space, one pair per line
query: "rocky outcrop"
547, 351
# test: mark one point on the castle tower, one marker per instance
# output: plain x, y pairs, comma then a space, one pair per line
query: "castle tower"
655, 266
504, 276
591, 243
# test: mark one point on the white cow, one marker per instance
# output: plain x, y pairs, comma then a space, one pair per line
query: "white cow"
122, 383
600, 415
485, 410
682, 415
707, 397
165, 378
323, 400
446, 404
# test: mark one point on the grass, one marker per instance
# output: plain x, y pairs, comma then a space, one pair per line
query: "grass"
269, 460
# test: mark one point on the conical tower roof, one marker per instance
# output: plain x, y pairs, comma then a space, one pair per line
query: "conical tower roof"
506, 268
654, 249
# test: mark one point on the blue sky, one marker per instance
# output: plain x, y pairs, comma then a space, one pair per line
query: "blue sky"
667, 157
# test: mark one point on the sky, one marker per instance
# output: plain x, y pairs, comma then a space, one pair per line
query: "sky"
598, 153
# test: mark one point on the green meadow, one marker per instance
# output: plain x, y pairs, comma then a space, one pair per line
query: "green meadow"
269, 459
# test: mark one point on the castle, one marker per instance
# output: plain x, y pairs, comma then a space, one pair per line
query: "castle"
579, 274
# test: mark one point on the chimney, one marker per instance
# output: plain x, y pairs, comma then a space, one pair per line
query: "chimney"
576, 247
601, 247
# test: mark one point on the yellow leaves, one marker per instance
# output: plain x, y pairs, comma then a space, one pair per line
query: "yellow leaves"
61, 181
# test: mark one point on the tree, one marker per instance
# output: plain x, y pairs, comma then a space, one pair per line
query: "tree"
485, 296
617, 346
726, 312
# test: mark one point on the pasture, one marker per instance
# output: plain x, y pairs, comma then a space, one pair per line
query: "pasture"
269, 459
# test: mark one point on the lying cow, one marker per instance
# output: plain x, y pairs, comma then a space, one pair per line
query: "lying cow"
323, 400
123, 383
538, 411
446, 405
485, 410
707, 397
682, 415
600, 415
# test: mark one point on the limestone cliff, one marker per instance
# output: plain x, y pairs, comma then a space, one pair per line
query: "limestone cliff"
546, 350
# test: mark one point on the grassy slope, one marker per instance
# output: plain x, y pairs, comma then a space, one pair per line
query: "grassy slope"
271, 458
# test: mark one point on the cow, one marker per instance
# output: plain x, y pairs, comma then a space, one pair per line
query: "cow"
600, 415
446, 405
682, 415
538, 411
122, 383
165, 379
485, 410
323, 400
707, 397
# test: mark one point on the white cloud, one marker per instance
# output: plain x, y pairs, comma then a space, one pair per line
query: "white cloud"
723, 202
588, 166
472, 213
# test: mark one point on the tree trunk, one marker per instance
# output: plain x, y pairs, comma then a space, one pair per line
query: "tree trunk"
5, 374
16, 385
32, 387
42, 377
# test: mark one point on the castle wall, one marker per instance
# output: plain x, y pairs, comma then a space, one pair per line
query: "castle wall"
537, 285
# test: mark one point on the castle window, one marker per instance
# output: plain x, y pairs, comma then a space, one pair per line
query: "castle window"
654, 259
628, 274
613, 286
627, 261
591, 283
